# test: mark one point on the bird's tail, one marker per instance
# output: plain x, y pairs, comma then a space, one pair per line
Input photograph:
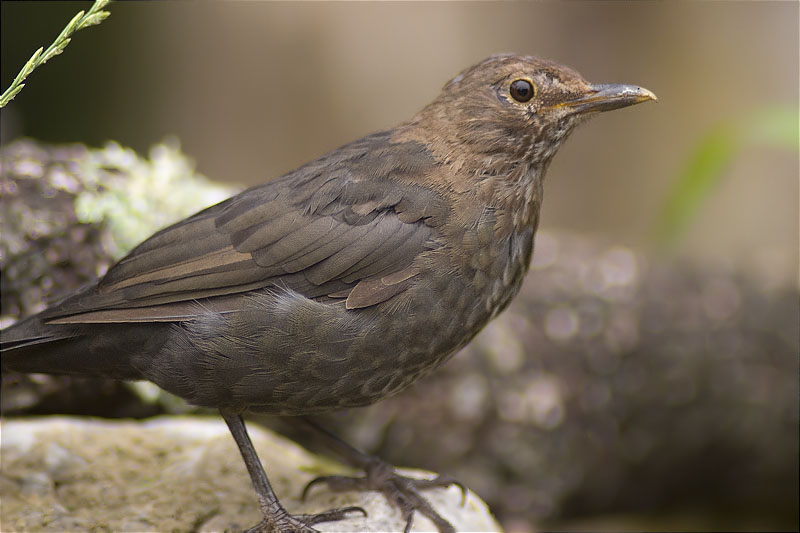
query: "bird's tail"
34, 346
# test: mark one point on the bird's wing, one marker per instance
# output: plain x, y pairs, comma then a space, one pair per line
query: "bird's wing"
343, 226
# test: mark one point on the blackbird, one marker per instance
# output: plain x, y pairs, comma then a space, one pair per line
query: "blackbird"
341, 282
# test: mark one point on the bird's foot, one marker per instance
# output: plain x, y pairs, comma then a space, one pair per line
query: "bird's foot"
401, 491
283, 522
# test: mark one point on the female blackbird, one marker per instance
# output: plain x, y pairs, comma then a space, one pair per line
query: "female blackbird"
341, 282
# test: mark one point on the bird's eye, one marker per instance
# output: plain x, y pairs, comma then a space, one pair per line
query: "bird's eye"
522, 90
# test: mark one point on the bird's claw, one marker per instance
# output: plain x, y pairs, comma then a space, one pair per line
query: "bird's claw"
303, 523
401, 491
330, 516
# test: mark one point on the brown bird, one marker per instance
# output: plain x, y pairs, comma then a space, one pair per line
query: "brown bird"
341, 282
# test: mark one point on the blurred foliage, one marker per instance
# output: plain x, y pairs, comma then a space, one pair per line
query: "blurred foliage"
771, 127
135, 196
68, 212
94, 16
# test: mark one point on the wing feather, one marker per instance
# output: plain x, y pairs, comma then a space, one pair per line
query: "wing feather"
340, 227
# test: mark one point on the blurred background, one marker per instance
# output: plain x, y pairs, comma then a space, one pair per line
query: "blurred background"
254, 89
708, 175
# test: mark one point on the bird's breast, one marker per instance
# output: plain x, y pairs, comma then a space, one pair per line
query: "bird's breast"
492, 271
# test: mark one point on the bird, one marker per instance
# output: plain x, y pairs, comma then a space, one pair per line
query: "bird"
341, 282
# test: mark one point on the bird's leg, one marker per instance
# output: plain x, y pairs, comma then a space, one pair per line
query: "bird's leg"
276, 518
380, 476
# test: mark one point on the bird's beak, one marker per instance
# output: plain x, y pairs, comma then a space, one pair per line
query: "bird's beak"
606, 97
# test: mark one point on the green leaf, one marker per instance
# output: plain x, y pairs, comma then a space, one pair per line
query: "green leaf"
705, 168
94, 19
29, 66
97, 6
70, 28
779, 127
6, 98
54, 51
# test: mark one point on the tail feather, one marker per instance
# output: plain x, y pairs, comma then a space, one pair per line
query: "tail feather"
30, 332
34, 346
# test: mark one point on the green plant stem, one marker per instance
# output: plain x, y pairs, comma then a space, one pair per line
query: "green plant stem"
95, 15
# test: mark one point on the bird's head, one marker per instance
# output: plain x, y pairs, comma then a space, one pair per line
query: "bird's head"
520, 107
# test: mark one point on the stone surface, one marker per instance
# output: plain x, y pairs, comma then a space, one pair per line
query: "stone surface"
177, 474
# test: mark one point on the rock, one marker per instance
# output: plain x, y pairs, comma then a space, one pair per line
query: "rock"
177, 474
